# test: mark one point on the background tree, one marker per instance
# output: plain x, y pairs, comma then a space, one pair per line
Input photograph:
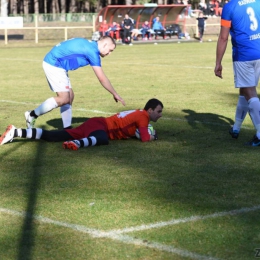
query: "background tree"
4, 6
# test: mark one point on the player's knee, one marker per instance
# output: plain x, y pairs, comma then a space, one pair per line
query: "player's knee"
63, 98
101, 137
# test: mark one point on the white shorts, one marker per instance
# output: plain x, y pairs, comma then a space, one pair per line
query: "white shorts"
57, 78
246, 73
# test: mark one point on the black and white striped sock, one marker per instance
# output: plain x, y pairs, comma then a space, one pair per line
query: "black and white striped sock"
33, 133
88, 141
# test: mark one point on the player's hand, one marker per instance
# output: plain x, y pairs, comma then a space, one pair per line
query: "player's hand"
118, 98
218, 71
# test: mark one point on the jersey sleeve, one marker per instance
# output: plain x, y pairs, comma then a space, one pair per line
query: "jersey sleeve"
144, 134
142, 125
226, 16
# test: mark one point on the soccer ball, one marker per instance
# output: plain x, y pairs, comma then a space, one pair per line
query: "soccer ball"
150, 131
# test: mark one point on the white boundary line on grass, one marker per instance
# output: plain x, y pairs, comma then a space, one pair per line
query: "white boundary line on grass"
185, 220
117, 234
130, 63
111, 113
117, 237
121, 238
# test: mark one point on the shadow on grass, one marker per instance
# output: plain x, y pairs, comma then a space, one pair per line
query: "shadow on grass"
209, 119
190, 172
28, 234
57, 122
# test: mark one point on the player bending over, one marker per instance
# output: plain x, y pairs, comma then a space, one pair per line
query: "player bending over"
96, 130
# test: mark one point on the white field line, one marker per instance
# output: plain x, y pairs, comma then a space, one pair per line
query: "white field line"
77, 109
117, 237
111, 113
16, 59
117, 234
184, 220
131, 63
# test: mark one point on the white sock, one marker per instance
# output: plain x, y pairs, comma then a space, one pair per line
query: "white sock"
46, 106
66, 115
89, 141
241, 112
33, 133
254, 110
19, 132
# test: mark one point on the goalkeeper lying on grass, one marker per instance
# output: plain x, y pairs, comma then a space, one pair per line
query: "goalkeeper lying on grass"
96, 130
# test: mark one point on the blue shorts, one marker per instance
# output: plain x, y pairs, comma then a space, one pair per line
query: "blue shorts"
246, 73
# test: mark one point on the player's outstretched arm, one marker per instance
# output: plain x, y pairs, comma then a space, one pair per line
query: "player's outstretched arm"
106, 83
221, 48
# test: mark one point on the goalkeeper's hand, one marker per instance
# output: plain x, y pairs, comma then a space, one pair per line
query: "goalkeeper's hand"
155, 136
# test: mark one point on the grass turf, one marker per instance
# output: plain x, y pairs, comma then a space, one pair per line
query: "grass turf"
194, 169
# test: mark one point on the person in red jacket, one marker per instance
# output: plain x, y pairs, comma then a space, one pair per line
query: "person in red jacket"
96, 130
103, 27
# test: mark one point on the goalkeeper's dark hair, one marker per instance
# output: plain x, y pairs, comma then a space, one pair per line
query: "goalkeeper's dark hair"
108, 37
153, 103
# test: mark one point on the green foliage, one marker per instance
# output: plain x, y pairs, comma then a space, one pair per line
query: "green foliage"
194, 169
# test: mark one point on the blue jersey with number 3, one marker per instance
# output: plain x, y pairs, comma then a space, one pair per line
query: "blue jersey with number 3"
243, 18
73, 54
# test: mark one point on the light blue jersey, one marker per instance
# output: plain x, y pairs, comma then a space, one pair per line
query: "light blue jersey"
73, 54
243, 18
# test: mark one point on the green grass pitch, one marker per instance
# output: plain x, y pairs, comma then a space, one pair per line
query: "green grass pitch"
193, 194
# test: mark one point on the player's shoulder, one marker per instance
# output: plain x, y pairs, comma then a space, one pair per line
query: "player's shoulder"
82, 41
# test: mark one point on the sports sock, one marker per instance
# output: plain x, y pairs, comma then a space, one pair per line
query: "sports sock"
33, 133
66, 115
32, 114
241, 112
46, 106
254, 110
88, 141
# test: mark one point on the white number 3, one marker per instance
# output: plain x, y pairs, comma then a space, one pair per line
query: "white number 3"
251, 14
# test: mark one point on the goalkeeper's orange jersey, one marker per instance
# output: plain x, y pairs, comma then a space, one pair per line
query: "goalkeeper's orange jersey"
123, 124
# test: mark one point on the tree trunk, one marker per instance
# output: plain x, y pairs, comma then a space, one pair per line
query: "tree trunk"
25, 7
57, 6
87, 7
36, 6
63, 6
72, 6
53, 6
4, 8
128, 2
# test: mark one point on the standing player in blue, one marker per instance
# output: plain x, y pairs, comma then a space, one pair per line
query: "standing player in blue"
71, 55
241, 18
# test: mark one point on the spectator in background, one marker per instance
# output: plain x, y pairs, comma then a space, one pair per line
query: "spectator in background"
158, 27
219, 8
146, 30
211, 8
103, 27
201, 25
121, 31
114, 30
134, 34
188, 10
226, 1
203, 7
128, 25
